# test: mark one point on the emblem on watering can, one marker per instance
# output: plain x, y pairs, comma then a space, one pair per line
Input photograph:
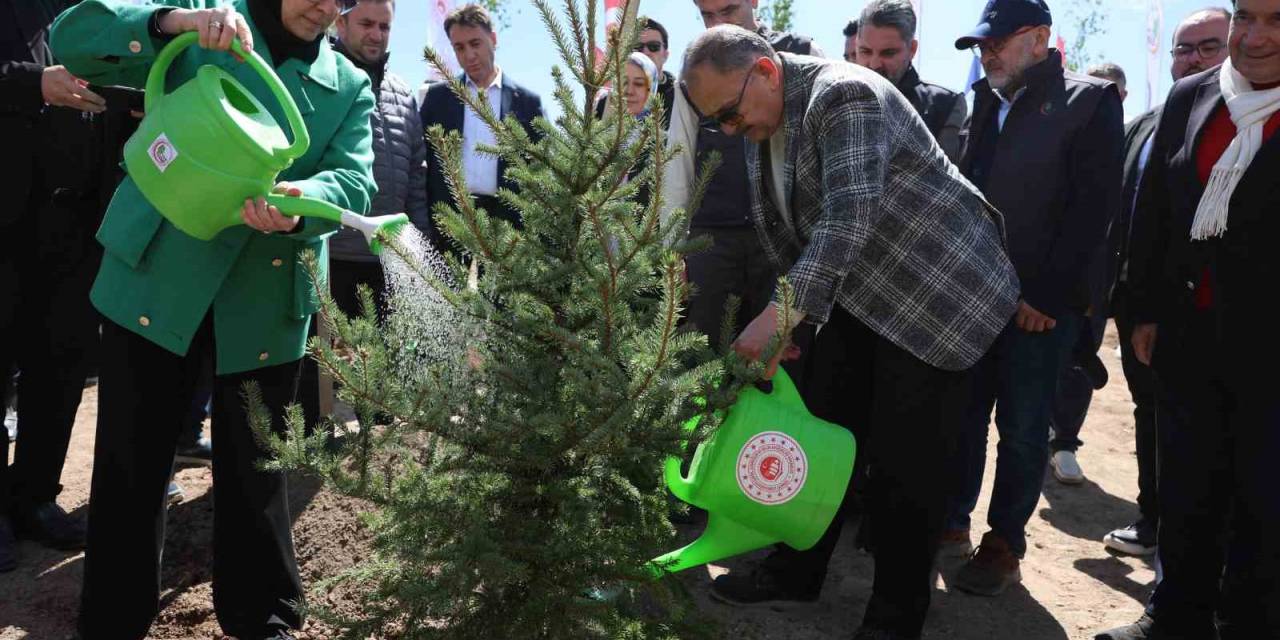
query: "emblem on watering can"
772, 468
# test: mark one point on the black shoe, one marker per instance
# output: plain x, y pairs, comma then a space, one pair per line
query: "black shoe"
201, 453
8, 546
760, 587
863, 633
1144, 629
1137, 539
51, 526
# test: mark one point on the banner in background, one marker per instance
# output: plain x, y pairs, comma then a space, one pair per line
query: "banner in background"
1155, 22
437, 39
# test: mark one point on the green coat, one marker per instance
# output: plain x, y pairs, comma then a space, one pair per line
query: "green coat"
161, 283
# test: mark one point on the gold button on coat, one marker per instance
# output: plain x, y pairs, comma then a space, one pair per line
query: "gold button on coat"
135, 46
144, 321
263, 356
277, 262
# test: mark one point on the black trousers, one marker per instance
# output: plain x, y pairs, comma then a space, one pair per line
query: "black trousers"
144, 393
345, 277
905, 415
1142, 388
49, 332
1219, 505
734, 264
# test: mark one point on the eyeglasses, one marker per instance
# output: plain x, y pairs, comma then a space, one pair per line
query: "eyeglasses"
653, 47
995, 45
726, 116
729, 114
1207, 48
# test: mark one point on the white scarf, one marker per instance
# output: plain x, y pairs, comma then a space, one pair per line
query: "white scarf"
1249, 111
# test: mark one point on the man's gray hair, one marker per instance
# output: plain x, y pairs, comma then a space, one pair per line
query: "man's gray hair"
1107, 71
726, 48
896, 14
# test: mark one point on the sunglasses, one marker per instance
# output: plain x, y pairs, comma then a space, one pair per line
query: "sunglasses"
653, 47
727, 116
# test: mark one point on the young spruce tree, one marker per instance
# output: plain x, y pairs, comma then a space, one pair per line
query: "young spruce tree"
523, 417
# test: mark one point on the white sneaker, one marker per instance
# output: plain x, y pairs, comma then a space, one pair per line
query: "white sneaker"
174, 494
1065, 467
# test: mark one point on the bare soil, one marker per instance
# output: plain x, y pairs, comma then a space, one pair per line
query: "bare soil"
1071, 585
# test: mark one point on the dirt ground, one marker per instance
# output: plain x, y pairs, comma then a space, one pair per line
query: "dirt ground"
1071, 585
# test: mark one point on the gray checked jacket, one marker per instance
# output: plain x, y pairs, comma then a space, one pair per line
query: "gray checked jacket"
881, 222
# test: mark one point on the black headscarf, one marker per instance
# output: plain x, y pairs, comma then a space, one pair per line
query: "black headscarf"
280, 42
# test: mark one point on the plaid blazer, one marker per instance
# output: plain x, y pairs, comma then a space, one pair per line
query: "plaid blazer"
880, 221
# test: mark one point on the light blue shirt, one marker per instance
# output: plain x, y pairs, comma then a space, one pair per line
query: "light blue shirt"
1006, 105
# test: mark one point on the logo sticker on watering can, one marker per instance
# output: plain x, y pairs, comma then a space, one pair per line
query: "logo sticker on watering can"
772, 468
162, 152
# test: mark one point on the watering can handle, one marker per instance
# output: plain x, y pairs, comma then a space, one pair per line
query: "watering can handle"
155, 88
784, 390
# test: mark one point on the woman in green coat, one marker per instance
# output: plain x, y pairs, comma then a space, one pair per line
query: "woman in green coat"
168, 299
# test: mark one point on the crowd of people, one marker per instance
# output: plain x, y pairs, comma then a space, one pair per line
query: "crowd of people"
948, 267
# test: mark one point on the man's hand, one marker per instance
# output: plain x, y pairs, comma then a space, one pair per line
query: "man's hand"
217, 27
1144, 342
266, 218
1030, 320
751, 343
61, 89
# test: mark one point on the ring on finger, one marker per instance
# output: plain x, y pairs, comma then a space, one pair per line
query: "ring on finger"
215, 25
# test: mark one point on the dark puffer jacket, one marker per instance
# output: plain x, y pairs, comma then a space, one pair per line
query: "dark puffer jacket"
399, 165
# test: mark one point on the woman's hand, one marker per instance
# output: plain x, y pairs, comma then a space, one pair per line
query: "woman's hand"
61, 89
266, 218
217, 27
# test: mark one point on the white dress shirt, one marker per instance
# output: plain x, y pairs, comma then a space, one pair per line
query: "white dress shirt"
481, 169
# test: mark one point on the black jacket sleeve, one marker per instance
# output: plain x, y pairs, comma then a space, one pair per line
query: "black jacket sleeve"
1149, 234
20, 90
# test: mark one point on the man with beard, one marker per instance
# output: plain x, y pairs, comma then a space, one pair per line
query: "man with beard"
170, 300
1044, 145
886, 44
399, 152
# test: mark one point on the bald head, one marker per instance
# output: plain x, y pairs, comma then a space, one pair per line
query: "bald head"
1200, 42
732, 77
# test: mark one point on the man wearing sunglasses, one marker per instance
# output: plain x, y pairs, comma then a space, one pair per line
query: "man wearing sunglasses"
898, 258
1044, 145
655, 44
735, 263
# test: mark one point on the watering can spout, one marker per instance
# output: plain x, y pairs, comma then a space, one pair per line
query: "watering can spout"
376, 229
722, 538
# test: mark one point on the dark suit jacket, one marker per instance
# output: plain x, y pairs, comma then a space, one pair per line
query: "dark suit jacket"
21, 97
440, 106
1166, 265
1136, 135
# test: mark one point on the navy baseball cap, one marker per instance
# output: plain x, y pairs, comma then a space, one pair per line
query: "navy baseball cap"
1002, 17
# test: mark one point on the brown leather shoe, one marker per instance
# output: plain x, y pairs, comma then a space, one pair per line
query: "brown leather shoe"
991, 570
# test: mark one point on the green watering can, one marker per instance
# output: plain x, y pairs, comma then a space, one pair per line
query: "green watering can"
771, 473
205, 148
